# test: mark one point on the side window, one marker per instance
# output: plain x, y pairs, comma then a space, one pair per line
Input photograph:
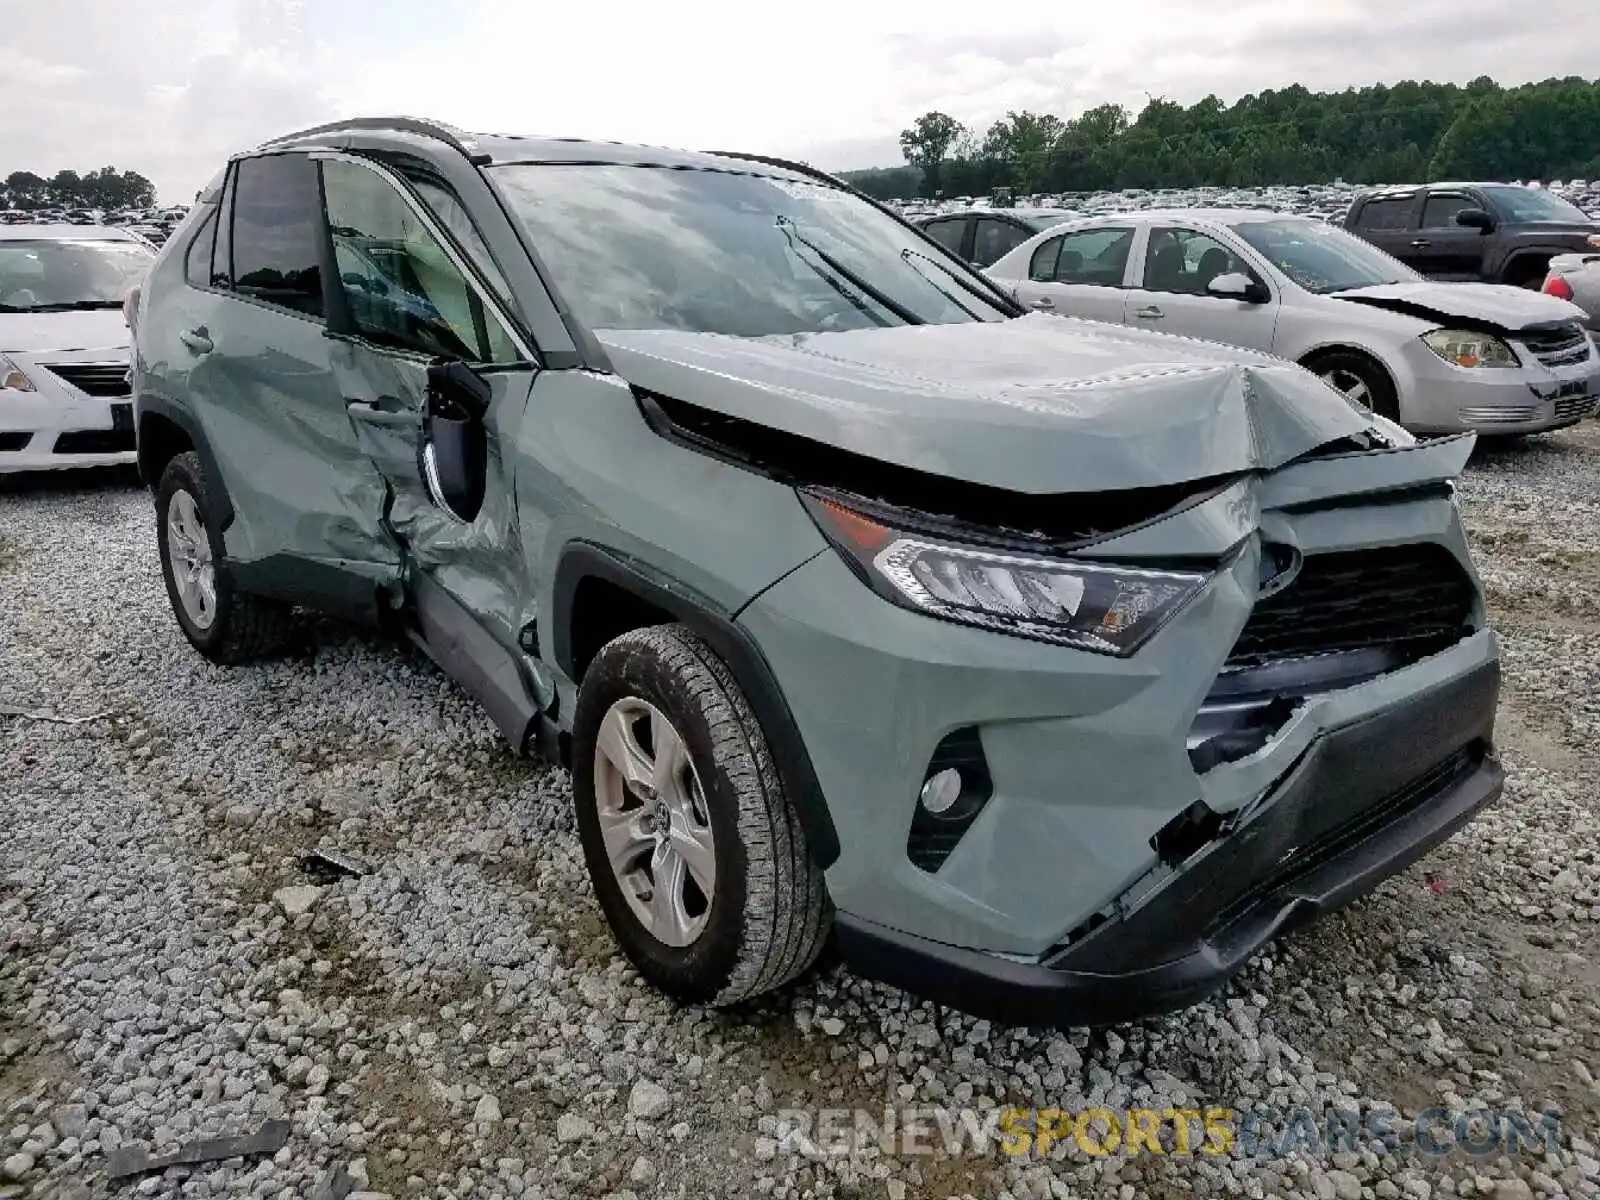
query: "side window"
277, 232
399, 284
1392, 213
1185, 261
1042, 267
1441, 209
1094, 256
197, 262
222, 240
448, 212
995, 239
947, 233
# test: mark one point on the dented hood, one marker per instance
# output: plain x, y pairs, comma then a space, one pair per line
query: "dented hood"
1494, 304
1038, 404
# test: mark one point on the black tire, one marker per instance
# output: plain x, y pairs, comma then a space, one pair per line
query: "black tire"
769, 914
245, 627
1368, 370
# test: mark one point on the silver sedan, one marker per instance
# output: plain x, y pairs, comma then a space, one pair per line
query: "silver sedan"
1437, 357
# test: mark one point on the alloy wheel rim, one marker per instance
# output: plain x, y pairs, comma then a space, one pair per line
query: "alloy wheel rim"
1351, 384
189, 558
654, 821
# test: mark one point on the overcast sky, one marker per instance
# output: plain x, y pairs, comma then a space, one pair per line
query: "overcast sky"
171, 87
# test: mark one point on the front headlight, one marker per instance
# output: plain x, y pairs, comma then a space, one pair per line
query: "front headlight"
1465, 348
11, 377
1101, 607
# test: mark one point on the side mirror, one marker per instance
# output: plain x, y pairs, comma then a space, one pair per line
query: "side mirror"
454, 454
1475, 218
1236, 285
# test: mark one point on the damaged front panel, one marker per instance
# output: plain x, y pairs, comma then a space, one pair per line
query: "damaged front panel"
1038, 405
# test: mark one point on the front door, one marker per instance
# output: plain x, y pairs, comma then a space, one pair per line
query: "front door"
406, 301
1170, 293
1441, 248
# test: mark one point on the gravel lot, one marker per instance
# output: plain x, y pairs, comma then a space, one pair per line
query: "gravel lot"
458, 1022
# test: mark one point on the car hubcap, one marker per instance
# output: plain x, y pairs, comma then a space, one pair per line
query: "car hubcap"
1351, 384
189, 558
654, 821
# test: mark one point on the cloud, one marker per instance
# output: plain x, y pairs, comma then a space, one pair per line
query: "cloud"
171, 87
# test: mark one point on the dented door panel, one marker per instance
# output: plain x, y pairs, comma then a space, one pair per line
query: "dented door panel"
479, 563
300, 484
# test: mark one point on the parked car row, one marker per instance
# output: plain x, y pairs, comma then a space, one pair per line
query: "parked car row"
1436, 357
1051, 667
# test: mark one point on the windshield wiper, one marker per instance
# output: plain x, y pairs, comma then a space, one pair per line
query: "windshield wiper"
971, 289
73, 306
877, 295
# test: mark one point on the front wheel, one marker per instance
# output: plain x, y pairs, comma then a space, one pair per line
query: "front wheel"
694, 851
1363, 382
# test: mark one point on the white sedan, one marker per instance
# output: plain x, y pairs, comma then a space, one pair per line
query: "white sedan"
65, 399
1437, 357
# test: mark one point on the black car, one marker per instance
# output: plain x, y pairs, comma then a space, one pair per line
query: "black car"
1484, 232
982, 236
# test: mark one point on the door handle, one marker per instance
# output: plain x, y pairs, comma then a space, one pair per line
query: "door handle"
1150, 312
197, 339
371, 412
1044, 302
1421, 244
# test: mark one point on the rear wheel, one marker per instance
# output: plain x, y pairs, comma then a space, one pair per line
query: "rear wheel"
1361, 379
223, 623
695, 854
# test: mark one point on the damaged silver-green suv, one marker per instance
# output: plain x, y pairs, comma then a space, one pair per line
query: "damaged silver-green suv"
1051, 667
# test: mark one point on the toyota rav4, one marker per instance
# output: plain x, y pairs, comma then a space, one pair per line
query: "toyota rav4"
1052, 667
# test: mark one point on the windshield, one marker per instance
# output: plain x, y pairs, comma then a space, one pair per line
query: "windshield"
711, 251
41, 276
1530, 204
1320, 258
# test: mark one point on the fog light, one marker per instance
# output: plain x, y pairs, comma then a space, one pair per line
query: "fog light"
941, 791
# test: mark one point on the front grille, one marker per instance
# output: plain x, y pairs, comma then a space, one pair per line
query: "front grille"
95, 441
1416, 598
1570, 408
1559, 347
1505, 414
97, 379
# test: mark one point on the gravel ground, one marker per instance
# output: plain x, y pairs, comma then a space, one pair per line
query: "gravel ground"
457, 1022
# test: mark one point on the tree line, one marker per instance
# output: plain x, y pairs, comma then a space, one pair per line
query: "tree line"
107, 189
1409, 132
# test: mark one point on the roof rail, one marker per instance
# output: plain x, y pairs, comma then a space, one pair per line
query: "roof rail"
784, 163
457, 139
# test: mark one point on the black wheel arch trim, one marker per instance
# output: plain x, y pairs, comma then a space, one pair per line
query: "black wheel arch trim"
221, 503
732, 642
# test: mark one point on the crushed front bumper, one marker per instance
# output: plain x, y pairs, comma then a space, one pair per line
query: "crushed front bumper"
1361, 803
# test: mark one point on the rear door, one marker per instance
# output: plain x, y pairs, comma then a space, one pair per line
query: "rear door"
1170, 294
408, 296
1441, 248
250, 333
1388, 222
1081, 273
